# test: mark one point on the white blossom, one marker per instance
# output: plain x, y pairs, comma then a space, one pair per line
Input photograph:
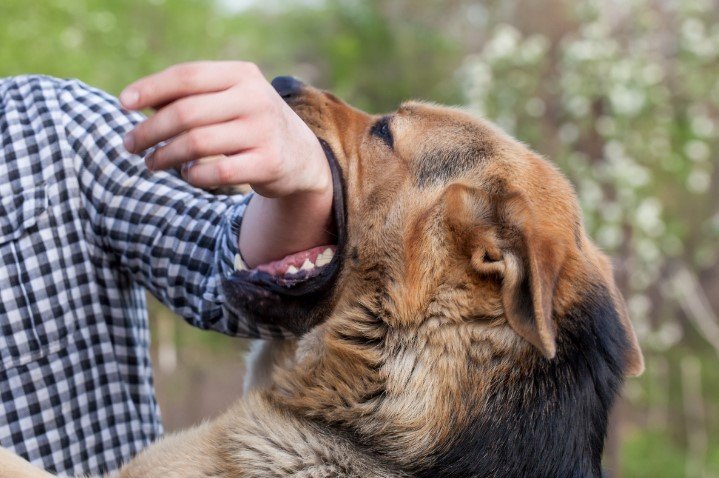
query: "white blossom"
698, 181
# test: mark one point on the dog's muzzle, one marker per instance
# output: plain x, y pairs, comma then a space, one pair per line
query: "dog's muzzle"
292, 298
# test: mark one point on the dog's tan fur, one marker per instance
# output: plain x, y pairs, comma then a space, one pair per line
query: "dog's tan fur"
443, 229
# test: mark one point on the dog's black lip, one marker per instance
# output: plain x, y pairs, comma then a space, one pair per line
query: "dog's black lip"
270, 284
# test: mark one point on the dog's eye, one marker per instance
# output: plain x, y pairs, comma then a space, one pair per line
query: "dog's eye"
381, 130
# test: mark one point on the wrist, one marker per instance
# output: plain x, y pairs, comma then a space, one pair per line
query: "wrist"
298, 220
319, 177
273, 228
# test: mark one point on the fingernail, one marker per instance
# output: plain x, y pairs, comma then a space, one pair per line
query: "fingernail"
129, 97
129, 142
186, 168
150, 161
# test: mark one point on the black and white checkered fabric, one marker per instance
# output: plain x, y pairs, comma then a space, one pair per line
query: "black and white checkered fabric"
84, 227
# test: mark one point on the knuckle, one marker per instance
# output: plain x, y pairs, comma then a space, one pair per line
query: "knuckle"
194, 143
251, 69
265, 103
190, 78
139, 134
189, 73
172, 70
178, 70
238, 94
225, 172
261, 106
156, 156
239, 67
182, 115
274, 166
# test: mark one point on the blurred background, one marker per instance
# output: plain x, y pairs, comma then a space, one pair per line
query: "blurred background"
623, 96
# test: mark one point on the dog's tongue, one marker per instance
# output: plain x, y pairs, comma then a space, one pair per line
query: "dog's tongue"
305, 260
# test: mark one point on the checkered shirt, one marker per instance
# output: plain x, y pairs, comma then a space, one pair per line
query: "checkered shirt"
84, 227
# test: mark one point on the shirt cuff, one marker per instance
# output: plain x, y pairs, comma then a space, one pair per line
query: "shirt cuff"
228, 256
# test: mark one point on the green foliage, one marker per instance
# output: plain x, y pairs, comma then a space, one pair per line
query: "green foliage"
104, 43
652, 454
363, 55
352, 47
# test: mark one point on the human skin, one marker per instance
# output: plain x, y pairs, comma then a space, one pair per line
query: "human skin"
229, 113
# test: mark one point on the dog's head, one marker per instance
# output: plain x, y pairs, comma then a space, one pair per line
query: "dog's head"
459, 215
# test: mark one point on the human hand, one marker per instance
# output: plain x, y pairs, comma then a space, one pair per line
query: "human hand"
228, 110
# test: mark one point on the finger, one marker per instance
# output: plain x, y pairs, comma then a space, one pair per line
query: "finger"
243, 168
185, 114
223, 138
184, 80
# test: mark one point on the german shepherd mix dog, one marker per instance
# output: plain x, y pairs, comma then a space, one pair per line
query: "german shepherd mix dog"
465, 327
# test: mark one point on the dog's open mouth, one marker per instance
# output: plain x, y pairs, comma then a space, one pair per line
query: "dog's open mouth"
296, 292
298, 266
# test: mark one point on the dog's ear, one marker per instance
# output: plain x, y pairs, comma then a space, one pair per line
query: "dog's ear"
634, 359
527, 262
501, 236
532, 263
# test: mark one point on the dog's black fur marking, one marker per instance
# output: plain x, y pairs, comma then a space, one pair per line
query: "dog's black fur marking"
548, 418
441, 166
303, 304
578, 233
360, 341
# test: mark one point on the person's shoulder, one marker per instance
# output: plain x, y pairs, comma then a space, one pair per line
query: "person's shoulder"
24, 84
34, 87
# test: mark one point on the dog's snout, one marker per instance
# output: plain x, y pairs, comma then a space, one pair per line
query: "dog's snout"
287, 86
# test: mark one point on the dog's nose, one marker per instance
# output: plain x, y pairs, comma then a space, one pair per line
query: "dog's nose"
287, 86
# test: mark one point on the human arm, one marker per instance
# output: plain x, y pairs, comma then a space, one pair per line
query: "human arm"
175, 240
229, 109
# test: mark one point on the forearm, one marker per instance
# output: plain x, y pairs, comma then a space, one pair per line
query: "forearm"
273, 228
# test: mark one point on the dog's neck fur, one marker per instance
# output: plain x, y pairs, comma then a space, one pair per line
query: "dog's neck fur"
471, 408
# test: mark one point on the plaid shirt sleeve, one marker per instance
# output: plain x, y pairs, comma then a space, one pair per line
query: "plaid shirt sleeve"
173, 239
84, 227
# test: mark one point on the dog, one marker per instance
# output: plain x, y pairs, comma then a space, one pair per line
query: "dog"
466, 325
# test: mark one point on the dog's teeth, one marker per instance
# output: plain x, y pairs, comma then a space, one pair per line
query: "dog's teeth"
325, 258
239, 263
307, 265
291, 270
